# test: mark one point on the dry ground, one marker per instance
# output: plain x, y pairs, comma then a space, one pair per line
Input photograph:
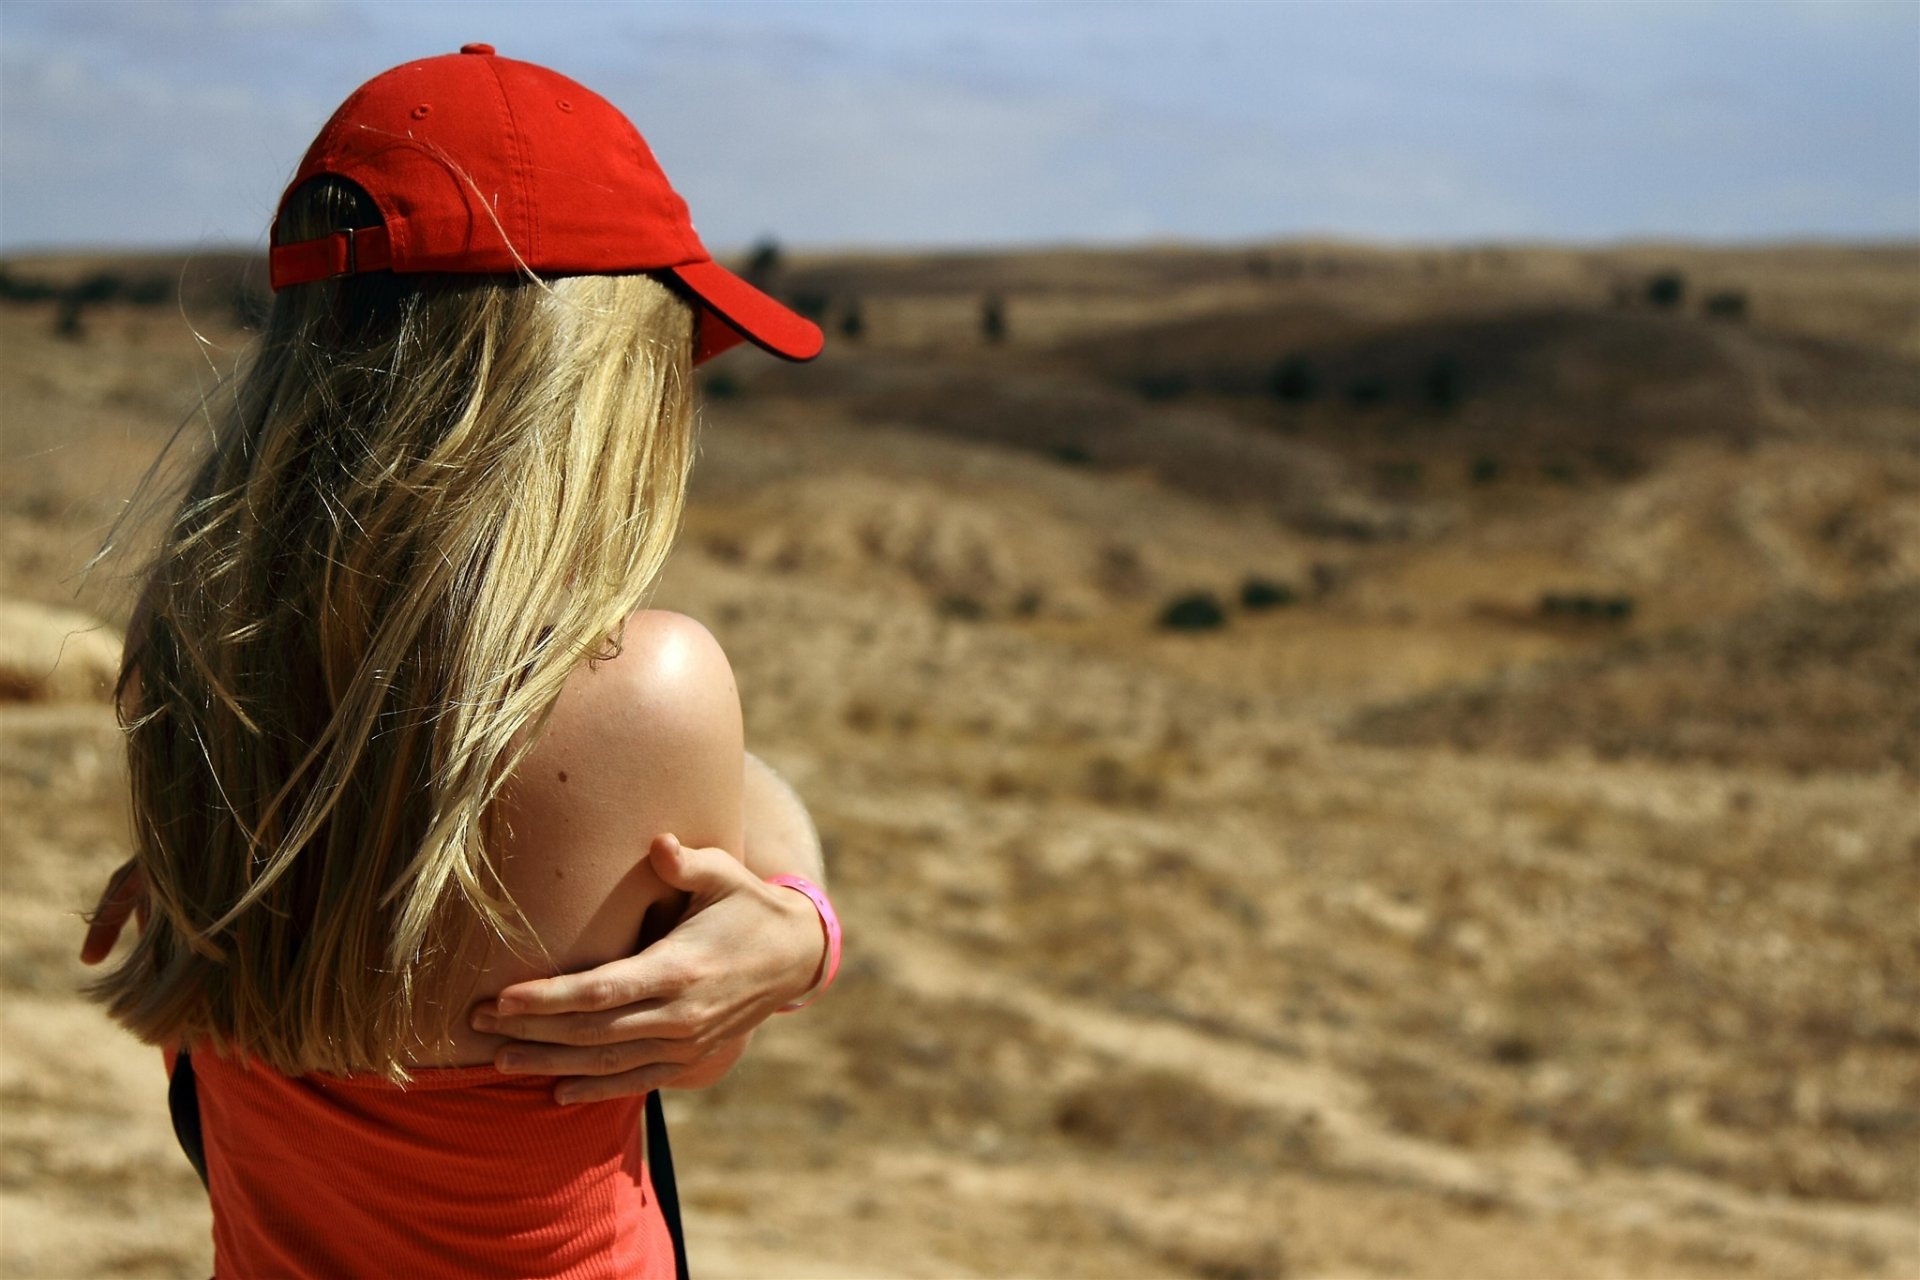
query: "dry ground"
1418, 925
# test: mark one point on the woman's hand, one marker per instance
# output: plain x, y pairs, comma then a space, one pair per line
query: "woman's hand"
125, 895
678, 1014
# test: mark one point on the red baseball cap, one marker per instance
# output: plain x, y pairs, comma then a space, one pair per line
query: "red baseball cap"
483, 164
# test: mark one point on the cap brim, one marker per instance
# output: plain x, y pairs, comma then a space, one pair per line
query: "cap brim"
745, 313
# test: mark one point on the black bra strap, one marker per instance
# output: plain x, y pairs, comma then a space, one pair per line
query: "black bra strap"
183, 1100
660, 1169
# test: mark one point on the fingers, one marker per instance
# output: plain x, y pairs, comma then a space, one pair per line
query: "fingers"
125, 890
628, 1084
607, 1060
647, 976
655, 1018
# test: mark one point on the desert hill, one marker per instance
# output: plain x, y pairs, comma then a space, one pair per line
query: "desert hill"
1300, 805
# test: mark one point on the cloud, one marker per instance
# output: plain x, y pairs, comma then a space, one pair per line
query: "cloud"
139, 158
917, 124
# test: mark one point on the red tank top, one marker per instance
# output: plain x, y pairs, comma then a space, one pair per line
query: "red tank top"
466, 1173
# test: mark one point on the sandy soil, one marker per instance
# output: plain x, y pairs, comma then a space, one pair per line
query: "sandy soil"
1417, 925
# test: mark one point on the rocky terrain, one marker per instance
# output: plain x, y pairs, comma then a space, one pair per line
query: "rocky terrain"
1333, 760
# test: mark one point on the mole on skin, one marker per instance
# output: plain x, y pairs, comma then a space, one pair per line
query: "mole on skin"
563, 775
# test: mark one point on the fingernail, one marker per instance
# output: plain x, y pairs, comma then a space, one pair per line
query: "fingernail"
485, 1022
506, 1004
566, 1099
513, 1060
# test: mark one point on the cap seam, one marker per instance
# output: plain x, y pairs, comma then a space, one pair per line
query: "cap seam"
521, 178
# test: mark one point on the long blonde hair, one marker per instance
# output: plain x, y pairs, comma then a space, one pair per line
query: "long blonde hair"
429, 499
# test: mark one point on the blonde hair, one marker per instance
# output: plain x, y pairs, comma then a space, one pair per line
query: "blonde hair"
430, 498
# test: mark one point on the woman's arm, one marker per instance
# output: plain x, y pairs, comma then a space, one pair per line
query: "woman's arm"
679, 1013
781, 840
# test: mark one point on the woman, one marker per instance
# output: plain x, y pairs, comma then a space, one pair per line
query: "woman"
398, 725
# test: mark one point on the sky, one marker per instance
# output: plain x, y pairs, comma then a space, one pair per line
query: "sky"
175, 123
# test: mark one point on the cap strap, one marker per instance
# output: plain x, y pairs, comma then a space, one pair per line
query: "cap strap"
343, 253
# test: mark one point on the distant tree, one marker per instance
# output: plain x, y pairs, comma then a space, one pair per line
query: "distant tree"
67, 322
763, 263
993, 318
1666, 289
100, 287
1484, 469
24, 288
853, 325
812, 304
1195, 611
150, 291
1726, 304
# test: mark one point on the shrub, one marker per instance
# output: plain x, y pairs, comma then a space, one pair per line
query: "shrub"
1726, 304
1444, 384
1072, 453
1586, 607
1293, 381
1666, 289
1264, 593
959, 605
1367, 393
1195, 611
1167, 384
763, 263
723, 386
853, 325
1617, 461
1484, 469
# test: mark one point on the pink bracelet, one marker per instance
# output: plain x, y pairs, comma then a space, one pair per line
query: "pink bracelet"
828, 920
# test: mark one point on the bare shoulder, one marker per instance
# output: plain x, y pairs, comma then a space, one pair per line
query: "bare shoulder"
656, 727
670, 679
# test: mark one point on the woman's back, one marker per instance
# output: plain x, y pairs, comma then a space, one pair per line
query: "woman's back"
468, 1171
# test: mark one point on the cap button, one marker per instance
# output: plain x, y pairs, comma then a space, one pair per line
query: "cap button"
476, 48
